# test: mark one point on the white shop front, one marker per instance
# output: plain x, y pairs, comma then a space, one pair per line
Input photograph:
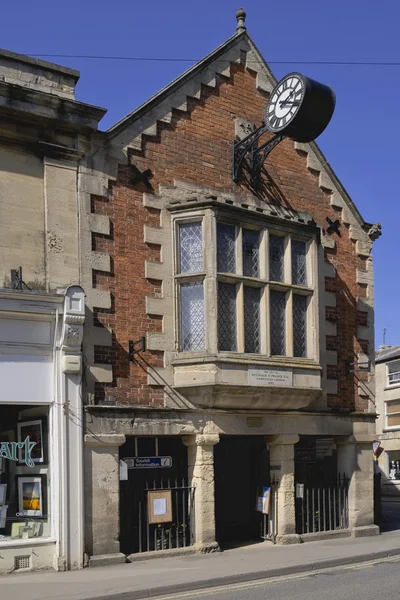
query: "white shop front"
41, 504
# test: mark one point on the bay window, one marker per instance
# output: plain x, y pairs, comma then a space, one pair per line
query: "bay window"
259, 281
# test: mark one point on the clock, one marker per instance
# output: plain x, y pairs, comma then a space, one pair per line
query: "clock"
299, 108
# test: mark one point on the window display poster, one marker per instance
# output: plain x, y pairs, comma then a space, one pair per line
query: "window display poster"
160, 506
30, 496
33, 430
263, 502
3, 493
3, 516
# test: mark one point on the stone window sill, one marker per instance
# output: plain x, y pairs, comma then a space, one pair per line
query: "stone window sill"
396, 386
186, 358
11, 542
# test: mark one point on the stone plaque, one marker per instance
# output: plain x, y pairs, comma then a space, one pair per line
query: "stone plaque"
254, 421
270, 377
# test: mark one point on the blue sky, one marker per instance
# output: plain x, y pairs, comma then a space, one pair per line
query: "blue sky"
361, 142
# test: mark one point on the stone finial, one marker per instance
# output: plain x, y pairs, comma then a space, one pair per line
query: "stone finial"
375, 232
240, 17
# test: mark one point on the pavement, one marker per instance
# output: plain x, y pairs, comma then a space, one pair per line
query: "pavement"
368, 581
169, 575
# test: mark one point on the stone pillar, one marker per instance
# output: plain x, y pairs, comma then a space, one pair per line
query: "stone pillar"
201, 472
356, 461
102, 498
282, 464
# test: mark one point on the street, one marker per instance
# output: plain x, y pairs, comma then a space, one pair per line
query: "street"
364, 582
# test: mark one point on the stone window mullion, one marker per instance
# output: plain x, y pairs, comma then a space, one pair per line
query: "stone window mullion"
289, 323
240, 317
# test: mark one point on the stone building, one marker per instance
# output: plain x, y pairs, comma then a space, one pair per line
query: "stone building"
387, 390
44, 131
246, 318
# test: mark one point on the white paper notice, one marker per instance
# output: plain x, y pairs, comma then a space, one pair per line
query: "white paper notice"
123, 471
159, 507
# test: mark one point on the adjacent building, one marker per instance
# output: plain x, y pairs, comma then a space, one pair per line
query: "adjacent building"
228, 327
44, 131
387, 385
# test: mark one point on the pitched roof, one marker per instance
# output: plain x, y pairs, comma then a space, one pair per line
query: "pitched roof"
387, 353
127, 133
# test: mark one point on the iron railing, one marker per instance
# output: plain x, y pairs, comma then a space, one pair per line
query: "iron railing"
322, 508
167, 536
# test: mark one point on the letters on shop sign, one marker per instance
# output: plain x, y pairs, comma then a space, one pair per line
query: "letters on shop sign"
8, 450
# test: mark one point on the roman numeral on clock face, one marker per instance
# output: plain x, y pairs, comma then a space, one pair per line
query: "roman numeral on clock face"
273, 121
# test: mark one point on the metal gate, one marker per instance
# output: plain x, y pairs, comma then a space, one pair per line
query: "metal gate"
322, 508
167, 536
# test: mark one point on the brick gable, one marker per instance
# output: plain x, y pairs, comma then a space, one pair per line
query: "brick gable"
196, 147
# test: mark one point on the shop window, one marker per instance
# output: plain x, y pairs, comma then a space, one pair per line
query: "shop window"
24, 473
393, 370
394, 464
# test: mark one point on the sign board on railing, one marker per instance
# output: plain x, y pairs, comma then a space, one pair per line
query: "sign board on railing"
148, 462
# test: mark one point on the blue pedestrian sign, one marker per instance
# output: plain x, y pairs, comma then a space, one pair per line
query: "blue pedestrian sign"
148, 462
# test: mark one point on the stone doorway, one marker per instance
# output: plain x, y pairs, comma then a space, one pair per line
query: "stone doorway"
135, 533
241, 467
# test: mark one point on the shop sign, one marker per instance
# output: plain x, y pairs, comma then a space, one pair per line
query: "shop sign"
148, 462
8, 450
305, 455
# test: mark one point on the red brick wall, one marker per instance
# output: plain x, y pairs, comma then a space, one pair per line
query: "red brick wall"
197, 147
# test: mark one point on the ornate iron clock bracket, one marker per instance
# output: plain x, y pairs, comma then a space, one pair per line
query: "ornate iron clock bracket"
258, 154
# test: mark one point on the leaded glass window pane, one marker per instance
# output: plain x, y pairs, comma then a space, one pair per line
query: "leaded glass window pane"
251, 253
226, 236
251, 319
192, 317
276, 258
299, 325
227, 317
190, 248
277, 322
299, 267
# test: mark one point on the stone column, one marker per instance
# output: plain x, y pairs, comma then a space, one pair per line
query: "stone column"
282, 464
102, 498
201, 472
356, 461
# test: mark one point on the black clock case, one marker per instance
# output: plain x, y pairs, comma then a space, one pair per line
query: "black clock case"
315, 112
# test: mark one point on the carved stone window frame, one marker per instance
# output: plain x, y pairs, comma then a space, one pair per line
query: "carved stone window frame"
210, 278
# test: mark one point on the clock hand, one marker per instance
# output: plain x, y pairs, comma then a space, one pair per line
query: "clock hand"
282, 102
294, 103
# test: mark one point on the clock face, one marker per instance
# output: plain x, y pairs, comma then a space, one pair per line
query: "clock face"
285, 102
